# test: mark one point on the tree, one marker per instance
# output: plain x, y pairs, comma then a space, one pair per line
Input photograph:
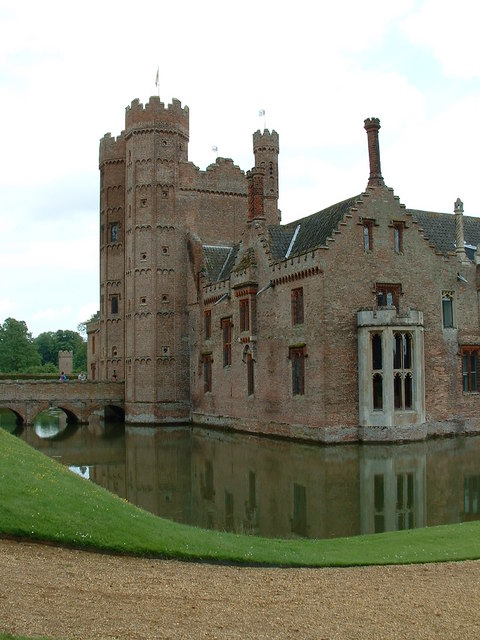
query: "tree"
50, 343
18, 351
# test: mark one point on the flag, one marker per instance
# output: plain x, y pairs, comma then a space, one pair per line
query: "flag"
156, 78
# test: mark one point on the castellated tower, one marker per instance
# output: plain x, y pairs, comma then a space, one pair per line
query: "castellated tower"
110, 350
266, 148
156, 210
156, 347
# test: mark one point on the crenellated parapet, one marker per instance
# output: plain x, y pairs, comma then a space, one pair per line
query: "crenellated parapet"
112, 149
266, 141
155, 115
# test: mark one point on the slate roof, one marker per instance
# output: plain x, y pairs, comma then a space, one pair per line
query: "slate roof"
218, 261
313, 230
439, 229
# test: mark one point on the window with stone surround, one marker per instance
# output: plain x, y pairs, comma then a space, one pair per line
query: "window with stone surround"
368, 235
470, 369
244, 314
387, 294
402, 370
250, 374
398, 228
114, 304
226, 326
297, 356
297, 305
447, 309
207, 317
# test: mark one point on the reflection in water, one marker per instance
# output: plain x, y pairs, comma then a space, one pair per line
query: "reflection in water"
275, 488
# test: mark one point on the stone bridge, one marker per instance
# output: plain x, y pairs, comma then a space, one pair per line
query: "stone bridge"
28, 398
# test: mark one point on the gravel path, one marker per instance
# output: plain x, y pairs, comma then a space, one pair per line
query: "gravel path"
66, 594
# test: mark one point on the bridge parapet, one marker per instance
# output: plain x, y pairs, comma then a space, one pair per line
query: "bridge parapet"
28, 398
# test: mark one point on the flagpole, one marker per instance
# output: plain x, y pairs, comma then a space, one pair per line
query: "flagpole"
157, 81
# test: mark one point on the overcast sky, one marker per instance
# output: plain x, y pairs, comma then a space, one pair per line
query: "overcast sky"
318, 69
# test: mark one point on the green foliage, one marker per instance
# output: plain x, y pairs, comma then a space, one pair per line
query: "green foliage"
50, 343
41, 499
82, 326
18, 352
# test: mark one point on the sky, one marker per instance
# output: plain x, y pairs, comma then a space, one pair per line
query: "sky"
317, 69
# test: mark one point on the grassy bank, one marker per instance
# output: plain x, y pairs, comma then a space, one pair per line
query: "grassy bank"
42, 500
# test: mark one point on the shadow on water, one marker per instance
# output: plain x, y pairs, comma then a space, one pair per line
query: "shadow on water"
277, 488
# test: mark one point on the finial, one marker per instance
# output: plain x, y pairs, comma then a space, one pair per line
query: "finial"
458, 206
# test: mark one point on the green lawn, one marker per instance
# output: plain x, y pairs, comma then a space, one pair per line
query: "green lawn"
41, 499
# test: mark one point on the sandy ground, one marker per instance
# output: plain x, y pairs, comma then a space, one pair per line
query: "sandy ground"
62, 593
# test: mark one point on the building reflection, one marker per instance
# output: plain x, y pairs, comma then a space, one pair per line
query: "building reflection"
275, 488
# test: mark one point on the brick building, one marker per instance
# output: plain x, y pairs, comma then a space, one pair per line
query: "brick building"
360, 321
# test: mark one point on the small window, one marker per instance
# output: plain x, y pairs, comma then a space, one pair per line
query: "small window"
164, 298
114, 232
208, 324
470, 369
227, 341
297, 305
244, 315
165, 250
447, 309
165, 351
114, 304
143, 202
207, 373
143, 256
250, 374
368, 235
297, 356
143, 300
388, 295
398, 237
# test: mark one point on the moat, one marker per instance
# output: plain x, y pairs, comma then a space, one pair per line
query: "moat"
269, 487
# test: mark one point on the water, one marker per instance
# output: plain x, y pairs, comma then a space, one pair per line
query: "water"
269, 487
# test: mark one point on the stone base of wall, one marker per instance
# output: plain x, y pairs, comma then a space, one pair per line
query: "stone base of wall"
159, 413
334, 435
283, 430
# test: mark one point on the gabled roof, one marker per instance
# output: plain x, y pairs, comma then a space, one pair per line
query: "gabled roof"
308, 233
439, 229
218, 261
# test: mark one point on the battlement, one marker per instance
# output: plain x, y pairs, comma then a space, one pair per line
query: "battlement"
112, 148
266, 140
154, 114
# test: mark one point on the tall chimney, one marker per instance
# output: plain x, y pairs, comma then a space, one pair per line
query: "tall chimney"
372, 125
459, 237
255, 193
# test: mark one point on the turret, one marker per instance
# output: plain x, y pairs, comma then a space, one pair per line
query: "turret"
266, 149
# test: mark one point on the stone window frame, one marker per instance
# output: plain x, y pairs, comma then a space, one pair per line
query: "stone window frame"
398, 228
470, 359
367, 232
297, 355
207, 323
244, 312
250, 374
297, 305
391, 292
448, 313
226, 328
114, 304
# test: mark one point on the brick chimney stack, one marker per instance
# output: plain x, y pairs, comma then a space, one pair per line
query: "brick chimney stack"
255, 193
372, 125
